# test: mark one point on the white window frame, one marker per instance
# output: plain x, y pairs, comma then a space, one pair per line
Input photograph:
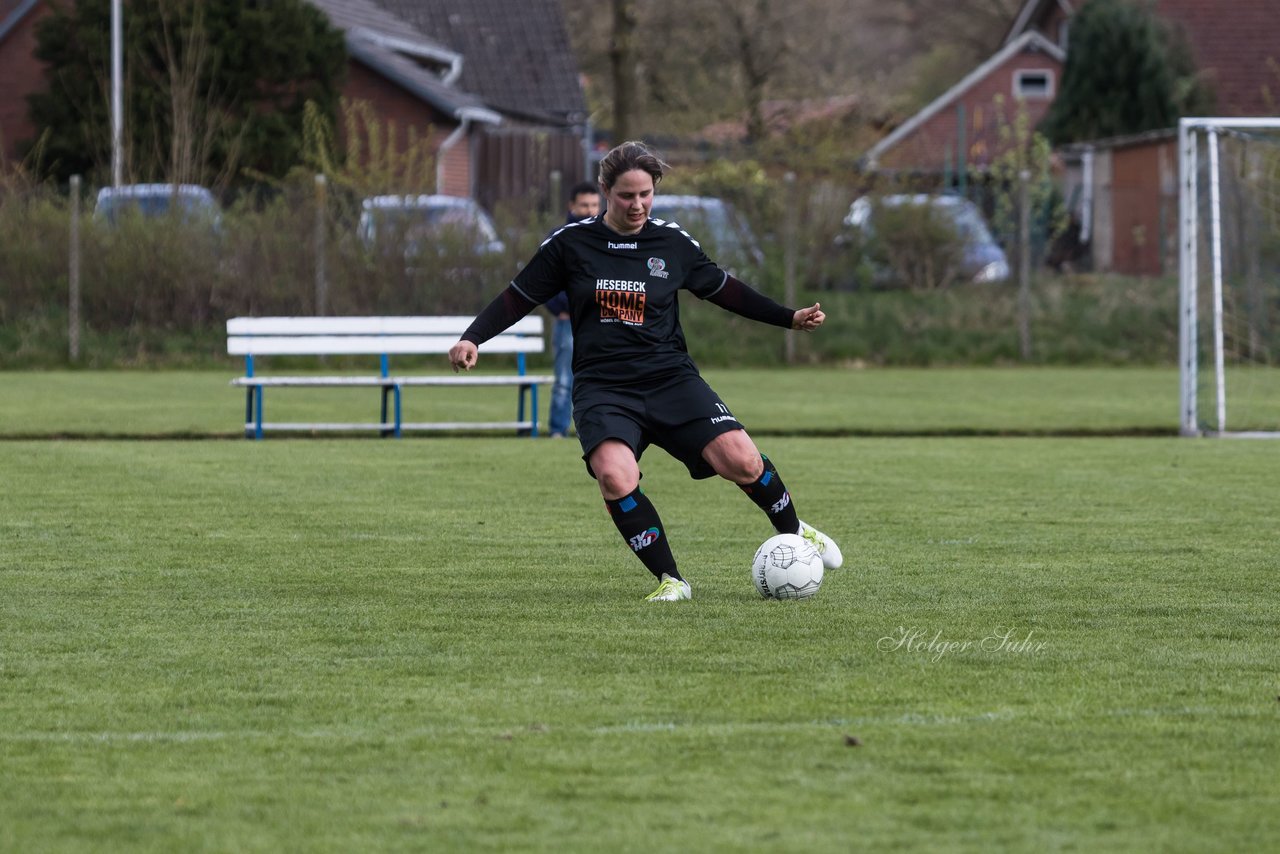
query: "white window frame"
1050, 84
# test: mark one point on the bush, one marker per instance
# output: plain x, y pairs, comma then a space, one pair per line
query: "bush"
158, 292
916, 246
1075, 320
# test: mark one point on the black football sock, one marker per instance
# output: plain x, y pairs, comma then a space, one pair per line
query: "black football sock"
637, 520
772, 497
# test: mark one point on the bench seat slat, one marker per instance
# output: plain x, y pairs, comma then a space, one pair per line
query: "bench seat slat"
461, 380
411, 325
370, 345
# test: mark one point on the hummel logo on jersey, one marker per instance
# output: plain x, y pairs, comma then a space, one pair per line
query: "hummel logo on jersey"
725, 414
613, 245
780, 504
642, 539
658, 267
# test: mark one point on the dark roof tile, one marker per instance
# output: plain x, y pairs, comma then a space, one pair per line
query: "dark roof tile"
516, 53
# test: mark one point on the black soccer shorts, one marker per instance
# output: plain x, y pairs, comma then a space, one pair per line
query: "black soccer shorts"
679, 414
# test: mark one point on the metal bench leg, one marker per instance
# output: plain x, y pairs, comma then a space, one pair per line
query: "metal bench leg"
248, 412
533, 395
257, 427
398, 411
383, 418
530, 389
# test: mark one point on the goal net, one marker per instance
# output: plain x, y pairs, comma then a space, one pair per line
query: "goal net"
1229, 269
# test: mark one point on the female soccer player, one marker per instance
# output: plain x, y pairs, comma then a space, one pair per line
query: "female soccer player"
634, 382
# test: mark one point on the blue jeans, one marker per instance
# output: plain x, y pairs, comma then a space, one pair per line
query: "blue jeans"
562, 390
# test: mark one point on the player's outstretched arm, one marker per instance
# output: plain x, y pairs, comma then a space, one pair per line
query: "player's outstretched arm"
740, 298
809, 319
506, 308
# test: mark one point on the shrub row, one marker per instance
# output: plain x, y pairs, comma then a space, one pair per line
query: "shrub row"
158, 293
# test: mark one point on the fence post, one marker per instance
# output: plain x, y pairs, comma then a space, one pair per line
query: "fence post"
73, 277
789, 251
1024, 264
555, 188
322, 282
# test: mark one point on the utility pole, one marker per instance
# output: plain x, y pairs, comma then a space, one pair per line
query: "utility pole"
117, 96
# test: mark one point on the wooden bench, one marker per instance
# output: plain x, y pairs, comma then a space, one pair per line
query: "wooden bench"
384, 337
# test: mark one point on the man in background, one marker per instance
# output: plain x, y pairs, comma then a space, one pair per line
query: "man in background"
584, 202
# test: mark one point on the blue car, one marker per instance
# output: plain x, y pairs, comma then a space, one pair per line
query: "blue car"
189, 203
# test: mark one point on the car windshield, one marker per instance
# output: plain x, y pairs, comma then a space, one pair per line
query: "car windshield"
415, 221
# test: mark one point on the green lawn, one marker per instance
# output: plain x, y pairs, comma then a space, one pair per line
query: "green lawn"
809, 400
357, 645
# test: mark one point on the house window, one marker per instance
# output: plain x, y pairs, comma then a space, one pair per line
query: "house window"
1033, 85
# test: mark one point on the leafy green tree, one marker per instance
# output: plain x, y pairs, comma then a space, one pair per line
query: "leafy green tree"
1125, 73
211, 90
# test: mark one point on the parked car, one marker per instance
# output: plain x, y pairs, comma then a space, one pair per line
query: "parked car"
981, 258
423, 224
190, 203
714, 223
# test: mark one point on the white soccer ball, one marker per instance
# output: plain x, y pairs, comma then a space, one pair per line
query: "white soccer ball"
787, 566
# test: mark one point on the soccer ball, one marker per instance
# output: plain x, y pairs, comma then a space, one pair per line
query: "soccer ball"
787, 566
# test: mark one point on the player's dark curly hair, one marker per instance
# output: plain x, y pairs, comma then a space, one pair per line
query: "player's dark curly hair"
627, 156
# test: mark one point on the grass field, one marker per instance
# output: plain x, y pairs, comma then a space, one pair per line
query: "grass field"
440, 644
834, 401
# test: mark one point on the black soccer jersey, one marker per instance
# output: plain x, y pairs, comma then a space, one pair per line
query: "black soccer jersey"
622, 295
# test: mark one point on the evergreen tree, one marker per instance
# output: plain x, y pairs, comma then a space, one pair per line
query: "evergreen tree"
211, 89
1125, 73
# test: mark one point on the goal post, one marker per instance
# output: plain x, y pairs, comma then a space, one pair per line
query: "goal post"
1229, 276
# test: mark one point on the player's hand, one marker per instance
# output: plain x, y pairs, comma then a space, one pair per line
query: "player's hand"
463, 355
809, 319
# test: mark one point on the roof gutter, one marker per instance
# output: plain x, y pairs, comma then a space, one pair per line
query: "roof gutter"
465, 116
415, 48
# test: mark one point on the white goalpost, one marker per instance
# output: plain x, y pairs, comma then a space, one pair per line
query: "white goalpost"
1229, 276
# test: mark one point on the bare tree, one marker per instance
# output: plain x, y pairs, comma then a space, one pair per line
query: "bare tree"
759, 31
675, 66
193, 125
622, 56
974, 27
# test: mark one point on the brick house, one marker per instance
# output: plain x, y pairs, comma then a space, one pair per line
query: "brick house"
1129, 184
1123, 195
1123, 191
960, 128
20, 74
518, 61
1236, 45
494, 90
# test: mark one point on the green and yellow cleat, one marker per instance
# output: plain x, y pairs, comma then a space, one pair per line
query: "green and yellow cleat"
671, 590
